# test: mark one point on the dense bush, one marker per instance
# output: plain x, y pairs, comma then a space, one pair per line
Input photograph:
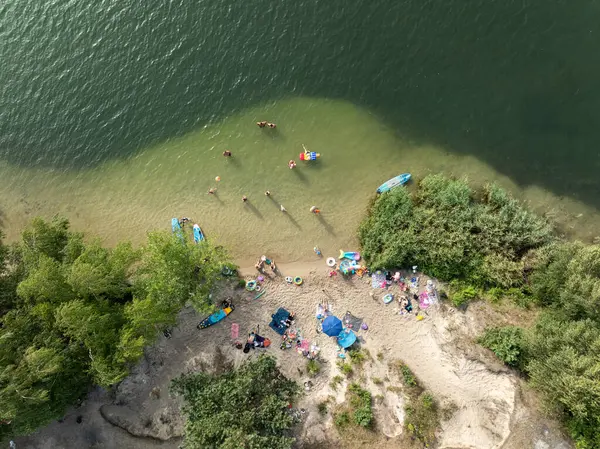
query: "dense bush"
453, 232
246, 407
506, 342
75, 313
564, 363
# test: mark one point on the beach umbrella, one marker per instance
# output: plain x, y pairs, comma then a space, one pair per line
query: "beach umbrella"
332, 326
346, 338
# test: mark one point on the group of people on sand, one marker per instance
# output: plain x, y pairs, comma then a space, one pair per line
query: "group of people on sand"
260, 264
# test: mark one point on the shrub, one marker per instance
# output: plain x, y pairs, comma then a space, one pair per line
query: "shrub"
357, 356
342, 419
361, 402
345, 368
322, 407
313, 367
505, 342
461, 293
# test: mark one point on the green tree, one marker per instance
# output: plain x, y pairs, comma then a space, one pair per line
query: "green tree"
244, 408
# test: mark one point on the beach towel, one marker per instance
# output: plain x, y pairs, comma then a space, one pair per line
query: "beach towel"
304, 345
378, 280
277, 318
424, 300
235, 330
352, 321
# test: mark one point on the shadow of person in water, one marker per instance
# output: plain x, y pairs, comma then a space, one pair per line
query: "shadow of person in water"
284, 210
301, 176
326, 225
253, 209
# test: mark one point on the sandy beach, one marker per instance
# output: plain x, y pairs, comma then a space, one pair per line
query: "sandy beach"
486, 400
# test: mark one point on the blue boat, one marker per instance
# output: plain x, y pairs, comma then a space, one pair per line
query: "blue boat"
198, 235
394, 182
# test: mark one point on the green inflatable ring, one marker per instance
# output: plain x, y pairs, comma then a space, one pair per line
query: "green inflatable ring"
298, 280
251, 285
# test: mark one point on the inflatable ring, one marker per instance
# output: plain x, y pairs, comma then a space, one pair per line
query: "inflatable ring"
388, 298
298, 280
289, 280
331, 261
226, 271
250, 285
258, 288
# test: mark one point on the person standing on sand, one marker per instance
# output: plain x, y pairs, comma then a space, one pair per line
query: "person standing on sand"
283, 209
211, 191
244, 198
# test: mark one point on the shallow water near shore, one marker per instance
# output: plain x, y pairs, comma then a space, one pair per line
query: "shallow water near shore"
115, 113
123, 199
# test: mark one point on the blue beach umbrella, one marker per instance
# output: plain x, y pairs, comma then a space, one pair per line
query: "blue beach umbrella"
332, 326
346, 338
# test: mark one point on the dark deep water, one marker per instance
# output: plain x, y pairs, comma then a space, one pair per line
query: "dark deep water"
515, 83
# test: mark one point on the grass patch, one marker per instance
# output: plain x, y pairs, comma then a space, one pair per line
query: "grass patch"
377, 380
335, 382
422, 411
345, 368
422, 418
358, 356
380, 356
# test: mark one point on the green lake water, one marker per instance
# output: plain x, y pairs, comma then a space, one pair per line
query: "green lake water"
115, 113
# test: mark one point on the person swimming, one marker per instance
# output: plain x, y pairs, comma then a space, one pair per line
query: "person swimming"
291, 163
244, 198
267, 193
212, 191
227, 153
315, 210
272, 125
283, 209
261, 124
